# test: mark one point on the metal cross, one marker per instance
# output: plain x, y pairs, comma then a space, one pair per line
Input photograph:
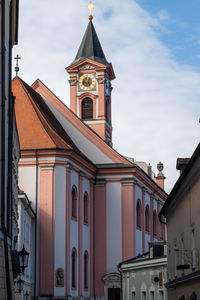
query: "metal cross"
17, 67
90, 6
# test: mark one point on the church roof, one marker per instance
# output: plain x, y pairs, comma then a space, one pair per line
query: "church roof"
37, 126
90, 47
87, 140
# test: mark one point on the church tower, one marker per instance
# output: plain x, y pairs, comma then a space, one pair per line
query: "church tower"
90, 85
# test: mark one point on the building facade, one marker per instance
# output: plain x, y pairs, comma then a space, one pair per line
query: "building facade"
26, 239
94, 207
144, 276
181, 211
8, 37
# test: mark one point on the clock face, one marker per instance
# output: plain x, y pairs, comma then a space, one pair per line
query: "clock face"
87, 82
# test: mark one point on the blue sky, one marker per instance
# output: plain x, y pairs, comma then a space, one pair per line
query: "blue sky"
182, 27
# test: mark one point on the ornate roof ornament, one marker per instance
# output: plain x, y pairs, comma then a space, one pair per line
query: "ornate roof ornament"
90, 6
160, 168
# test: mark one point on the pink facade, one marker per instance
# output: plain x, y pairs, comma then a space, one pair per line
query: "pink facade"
100, 236
128, 220
46, 230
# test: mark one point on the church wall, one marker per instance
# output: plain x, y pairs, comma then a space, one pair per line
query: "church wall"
147, 235
74, 231
155, 207
60, 234
128, 218
100, 236
138, 195
114, 225
46, 228
86, 238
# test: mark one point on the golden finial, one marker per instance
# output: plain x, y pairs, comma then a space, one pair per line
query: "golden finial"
90, 6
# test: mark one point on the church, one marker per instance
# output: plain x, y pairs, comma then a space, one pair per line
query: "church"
94, 207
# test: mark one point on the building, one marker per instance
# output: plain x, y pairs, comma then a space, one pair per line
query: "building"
9, 31
26, 239
181, 211
94, 207
143, 276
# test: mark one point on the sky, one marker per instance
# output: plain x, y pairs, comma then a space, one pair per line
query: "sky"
154, 47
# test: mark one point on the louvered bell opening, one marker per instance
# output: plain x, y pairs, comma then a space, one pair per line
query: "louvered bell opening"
87, 109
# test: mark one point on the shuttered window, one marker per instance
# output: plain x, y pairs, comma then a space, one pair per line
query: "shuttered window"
87, 109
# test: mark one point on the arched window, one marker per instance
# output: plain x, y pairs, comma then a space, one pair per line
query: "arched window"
138, 212
86, 207
59, 277
87, 109
74, 202
86, 270
147, 218
154, 223
74, 263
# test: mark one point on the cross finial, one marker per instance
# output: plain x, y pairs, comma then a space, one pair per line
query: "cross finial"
17, 67
90, 6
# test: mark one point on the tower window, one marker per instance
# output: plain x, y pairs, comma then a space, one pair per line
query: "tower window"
87, 109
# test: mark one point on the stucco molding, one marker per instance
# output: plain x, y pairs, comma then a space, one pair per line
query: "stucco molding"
47, 166
100, 182
112, 280
72, 82
128, 181
68, 167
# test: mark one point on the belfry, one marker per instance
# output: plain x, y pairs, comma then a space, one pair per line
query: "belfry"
90, 85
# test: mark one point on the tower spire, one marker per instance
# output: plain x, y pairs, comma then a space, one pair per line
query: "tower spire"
90, 46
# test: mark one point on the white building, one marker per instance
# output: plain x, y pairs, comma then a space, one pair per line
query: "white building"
26, 238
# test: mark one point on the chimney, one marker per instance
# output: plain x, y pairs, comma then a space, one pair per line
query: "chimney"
181, 164
149, 170
160, 177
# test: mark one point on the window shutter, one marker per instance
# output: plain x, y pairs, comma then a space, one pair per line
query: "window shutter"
87, 109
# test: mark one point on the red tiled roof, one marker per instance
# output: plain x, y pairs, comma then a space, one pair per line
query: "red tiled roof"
37, 126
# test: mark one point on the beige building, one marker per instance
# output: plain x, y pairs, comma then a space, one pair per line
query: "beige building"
182, 213
8, 37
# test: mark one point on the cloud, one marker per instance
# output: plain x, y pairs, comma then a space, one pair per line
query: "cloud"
155, 101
